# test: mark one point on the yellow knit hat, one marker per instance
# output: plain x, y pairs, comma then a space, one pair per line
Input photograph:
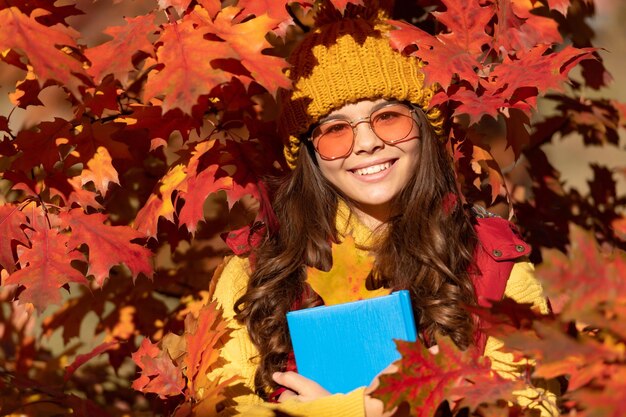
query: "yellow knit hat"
342, 62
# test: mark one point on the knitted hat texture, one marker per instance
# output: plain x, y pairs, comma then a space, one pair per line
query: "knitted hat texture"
344, 62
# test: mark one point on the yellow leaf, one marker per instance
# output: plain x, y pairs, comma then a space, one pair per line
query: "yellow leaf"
345, 281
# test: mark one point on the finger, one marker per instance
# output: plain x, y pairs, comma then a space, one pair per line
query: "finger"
434, 349
294, 381
287, 394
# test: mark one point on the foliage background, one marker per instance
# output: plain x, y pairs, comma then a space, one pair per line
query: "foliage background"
41, 370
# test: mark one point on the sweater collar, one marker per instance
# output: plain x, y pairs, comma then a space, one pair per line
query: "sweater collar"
348, 223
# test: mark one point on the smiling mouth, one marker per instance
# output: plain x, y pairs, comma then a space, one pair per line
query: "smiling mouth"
374, 169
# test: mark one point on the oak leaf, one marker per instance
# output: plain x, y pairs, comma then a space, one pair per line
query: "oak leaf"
100, 171
518, 29
425, 379
247, 42
186, 60
81, 359
159, 374
346, 279
108, 245
45, 267
179, 5
116, 56
11, 221
39, 44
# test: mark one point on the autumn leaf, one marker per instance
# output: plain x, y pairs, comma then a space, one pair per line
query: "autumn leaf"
41, 145
276, 10
425, 379
160, 204
342, 4
39, 44
186, 73
11, 221
116, 56
159, 375
179, 5
345, 281
204, 335
247, 42
108, 245
518, 29
100, 171
45, 267
483, 162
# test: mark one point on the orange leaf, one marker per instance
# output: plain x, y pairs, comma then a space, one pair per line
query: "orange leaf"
187, 72
247, 42
108, 245
46, 268
204, 335
116, 56
159, 375
345, 281
39, 44
100, 171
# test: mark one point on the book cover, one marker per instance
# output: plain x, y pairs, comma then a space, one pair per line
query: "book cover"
344, 346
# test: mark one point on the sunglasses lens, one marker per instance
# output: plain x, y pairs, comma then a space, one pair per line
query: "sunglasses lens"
392, 123
333, 139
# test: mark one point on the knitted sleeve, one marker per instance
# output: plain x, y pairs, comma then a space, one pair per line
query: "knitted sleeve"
523, 287
240, 354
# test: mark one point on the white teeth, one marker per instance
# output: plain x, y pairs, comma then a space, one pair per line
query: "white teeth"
372, 169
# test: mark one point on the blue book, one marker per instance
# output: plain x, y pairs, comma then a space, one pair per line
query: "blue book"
344, 346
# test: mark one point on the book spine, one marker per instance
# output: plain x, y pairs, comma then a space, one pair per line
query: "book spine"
407, 313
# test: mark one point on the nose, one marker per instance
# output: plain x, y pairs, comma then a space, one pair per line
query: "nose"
365, 140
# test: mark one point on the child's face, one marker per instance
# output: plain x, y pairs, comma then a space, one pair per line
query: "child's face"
374, 172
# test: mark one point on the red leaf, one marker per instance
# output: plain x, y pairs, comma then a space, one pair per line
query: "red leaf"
425, 379
560, 5
39, 44
100, 171
247, 43
81, 359
11, 221
159, 375
108, 245
519, 30
455, 52
40, 145
45, 267
187, 72
116, 56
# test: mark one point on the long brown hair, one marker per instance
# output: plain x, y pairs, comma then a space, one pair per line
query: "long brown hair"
426, 248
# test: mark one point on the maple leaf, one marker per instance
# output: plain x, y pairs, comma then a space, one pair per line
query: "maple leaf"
159, 375
246, 42
116, 56
424, 379
187, 72
39, 44
100, 171
345, 281
11, 221
81, 359
45, 267
108, 245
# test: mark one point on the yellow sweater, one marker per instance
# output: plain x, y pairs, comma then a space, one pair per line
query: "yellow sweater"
240, 352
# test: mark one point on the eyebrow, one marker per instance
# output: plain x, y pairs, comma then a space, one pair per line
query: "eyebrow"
344, 117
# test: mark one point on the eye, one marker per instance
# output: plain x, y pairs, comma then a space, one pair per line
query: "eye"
334, 128
387, 116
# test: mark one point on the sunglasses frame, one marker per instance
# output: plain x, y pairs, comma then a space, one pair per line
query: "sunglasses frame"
368, 119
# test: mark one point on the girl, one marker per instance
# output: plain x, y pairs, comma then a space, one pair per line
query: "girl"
368, 159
